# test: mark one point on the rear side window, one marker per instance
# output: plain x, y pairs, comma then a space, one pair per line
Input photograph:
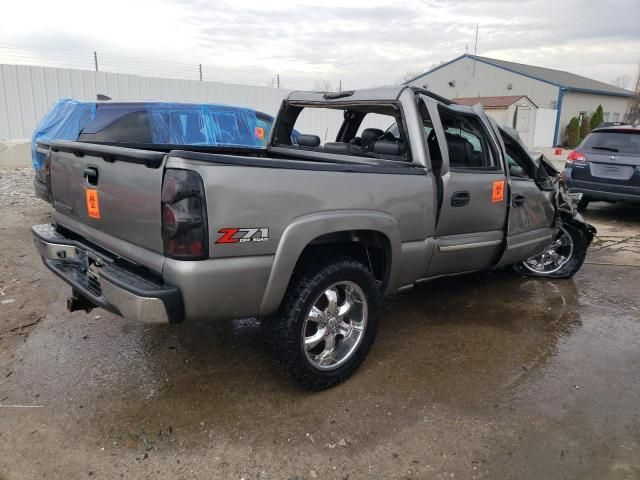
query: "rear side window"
131, 128
355, 129
614, 142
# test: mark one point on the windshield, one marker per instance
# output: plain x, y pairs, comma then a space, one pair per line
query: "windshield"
614, 141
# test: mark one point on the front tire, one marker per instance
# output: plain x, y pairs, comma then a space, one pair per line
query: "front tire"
583, 204
563, 258
327, 323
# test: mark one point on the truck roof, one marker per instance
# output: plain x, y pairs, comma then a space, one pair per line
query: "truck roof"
387, 93
380, 93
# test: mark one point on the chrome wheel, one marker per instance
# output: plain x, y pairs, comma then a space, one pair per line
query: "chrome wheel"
335, 325
554, 257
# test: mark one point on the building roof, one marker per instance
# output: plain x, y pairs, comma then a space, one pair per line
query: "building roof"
560, 78
491, 102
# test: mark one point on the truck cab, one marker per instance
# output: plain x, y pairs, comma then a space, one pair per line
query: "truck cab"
492, 202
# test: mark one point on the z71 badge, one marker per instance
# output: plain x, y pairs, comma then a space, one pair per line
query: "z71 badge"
240, 235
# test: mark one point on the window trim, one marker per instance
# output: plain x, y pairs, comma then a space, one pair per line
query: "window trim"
524, 168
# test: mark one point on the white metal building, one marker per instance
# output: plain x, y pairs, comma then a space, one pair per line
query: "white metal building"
567, 93
517, 111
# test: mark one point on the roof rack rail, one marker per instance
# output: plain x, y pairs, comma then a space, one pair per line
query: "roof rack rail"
334, 95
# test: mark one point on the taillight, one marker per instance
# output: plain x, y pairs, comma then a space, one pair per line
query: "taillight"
44, 160
184, 216
575, 156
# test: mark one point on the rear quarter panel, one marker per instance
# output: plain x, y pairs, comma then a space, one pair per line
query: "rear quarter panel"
297, 206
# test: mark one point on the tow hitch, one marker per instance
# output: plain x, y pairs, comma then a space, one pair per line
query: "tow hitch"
77, 301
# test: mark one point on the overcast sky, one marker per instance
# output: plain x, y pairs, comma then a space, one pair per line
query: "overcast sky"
363, 43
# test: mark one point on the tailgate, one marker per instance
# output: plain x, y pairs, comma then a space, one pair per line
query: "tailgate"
114, 191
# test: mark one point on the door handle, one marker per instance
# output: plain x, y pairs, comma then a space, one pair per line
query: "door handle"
460, 199
91, 175
518, 200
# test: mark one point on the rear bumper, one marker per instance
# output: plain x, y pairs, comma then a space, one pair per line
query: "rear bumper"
104, 283
604, 191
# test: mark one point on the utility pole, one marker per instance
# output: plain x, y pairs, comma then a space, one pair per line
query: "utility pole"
475, 47
475, 52
277, 80
95, 60
339, 85
200, 70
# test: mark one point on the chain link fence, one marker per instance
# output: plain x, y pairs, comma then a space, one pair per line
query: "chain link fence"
147, 67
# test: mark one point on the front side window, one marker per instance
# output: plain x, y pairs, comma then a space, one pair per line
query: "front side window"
467, 142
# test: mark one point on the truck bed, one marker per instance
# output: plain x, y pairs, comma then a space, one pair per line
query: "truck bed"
295, 199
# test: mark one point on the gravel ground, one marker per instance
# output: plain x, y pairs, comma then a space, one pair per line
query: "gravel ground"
484, 376
16, 188
23, 297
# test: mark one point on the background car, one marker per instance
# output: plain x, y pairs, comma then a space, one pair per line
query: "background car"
145, 124
606, 166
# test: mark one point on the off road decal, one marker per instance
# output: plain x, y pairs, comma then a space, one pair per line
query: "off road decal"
93, 207
240, 235
497, 194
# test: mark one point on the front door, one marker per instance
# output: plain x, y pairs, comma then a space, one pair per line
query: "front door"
470, 227
532, 213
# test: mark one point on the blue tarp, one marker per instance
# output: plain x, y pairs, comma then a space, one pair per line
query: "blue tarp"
205, 124
65, 121
170, 123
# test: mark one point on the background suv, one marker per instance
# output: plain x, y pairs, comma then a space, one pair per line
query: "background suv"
606, 166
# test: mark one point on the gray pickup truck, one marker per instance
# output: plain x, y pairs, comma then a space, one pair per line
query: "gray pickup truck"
307, 234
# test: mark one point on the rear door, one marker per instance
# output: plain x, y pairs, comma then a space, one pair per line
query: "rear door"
106, 193
472, 202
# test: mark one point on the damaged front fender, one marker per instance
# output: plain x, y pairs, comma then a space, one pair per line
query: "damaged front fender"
567, 209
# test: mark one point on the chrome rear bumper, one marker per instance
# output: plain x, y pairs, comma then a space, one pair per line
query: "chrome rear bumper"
105, 282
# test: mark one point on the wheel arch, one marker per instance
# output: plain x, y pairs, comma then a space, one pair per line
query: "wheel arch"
351, 229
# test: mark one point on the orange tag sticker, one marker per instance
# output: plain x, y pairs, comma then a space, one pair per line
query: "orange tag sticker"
260, 133
93, 207
497, 194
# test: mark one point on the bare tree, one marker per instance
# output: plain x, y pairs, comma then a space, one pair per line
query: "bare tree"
622, 81
633, 111
408, 75
322, 86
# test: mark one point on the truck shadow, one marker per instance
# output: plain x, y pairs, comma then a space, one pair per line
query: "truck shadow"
626, 213
461, 343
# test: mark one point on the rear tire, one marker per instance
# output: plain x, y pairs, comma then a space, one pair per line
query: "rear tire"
568, 250
327, 323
